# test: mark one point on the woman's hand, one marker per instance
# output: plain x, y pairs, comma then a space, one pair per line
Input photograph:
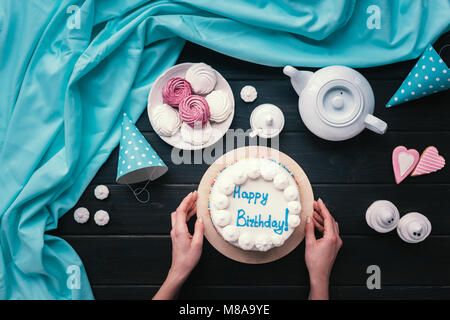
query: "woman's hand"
321, 253
186, 248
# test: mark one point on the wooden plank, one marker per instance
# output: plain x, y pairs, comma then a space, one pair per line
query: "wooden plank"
363, 159
281, 93
235, 69
348, 203
145, 260
274, 292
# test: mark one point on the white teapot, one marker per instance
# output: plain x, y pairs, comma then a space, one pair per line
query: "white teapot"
335, 103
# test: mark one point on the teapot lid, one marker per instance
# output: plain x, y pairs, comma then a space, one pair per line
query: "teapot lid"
267, 120
339, 102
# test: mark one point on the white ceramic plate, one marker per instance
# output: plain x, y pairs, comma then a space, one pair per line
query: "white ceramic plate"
155, 98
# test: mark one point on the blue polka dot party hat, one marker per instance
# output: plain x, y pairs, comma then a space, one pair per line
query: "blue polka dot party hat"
429, 75
137, 160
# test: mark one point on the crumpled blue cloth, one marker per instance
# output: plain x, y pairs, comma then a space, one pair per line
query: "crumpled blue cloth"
69, 69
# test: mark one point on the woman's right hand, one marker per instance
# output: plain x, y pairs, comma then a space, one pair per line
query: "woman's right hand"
321, 253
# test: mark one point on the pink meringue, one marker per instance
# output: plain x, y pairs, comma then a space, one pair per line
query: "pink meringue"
194, 110
175, 90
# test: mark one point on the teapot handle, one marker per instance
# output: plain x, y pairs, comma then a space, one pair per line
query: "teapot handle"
375, 124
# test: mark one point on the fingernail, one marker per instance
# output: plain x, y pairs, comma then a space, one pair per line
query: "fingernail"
200, 220
308, 220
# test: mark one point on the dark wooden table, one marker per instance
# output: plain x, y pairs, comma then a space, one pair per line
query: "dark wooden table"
129, 258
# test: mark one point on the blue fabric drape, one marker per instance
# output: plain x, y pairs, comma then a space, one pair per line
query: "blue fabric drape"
70, 68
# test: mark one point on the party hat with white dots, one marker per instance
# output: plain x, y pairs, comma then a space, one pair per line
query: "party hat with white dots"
137, 160
429, 75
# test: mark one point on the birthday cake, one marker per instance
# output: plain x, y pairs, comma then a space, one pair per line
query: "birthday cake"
254, 204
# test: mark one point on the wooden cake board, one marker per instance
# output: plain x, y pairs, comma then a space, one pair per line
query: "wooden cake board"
229, 250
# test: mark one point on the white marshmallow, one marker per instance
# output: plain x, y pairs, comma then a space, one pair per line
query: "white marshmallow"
101, 192
81, 215
101, 218
202, 78
249, 94
165, 120
219, 105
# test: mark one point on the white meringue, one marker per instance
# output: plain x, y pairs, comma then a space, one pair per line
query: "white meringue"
239, 175
196, 136
221, 217
280, 181
294, 207
291, 193
268, 171
293, 220
253, 171
165, 120
226, 185
246, 241
220, 201
202, 78
219, 105
101, 218
81, 215
230, 233
263, 242
101, 192
249, 94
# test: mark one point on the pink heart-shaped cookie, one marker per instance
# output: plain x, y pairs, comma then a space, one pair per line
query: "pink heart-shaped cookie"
430, 161
404, 161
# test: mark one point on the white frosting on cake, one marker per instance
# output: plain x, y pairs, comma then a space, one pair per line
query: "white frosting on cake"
227, 186
219, 105
263, 242
258, 215
221, 218
249, 94
293, 220
253, 170
165, 120
291, 193
269, 170
277, 240
239, 175
246, 241
294, 207
230, 233
220, 201
202, 78
280, 181
196, 136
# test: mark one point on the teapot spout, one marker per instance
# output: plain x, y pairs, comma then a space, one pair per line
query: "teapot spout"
299, 79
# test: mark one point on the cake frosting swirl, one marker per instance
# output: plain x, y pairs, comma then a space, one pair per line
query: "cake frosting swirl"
202, 78
254, 204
